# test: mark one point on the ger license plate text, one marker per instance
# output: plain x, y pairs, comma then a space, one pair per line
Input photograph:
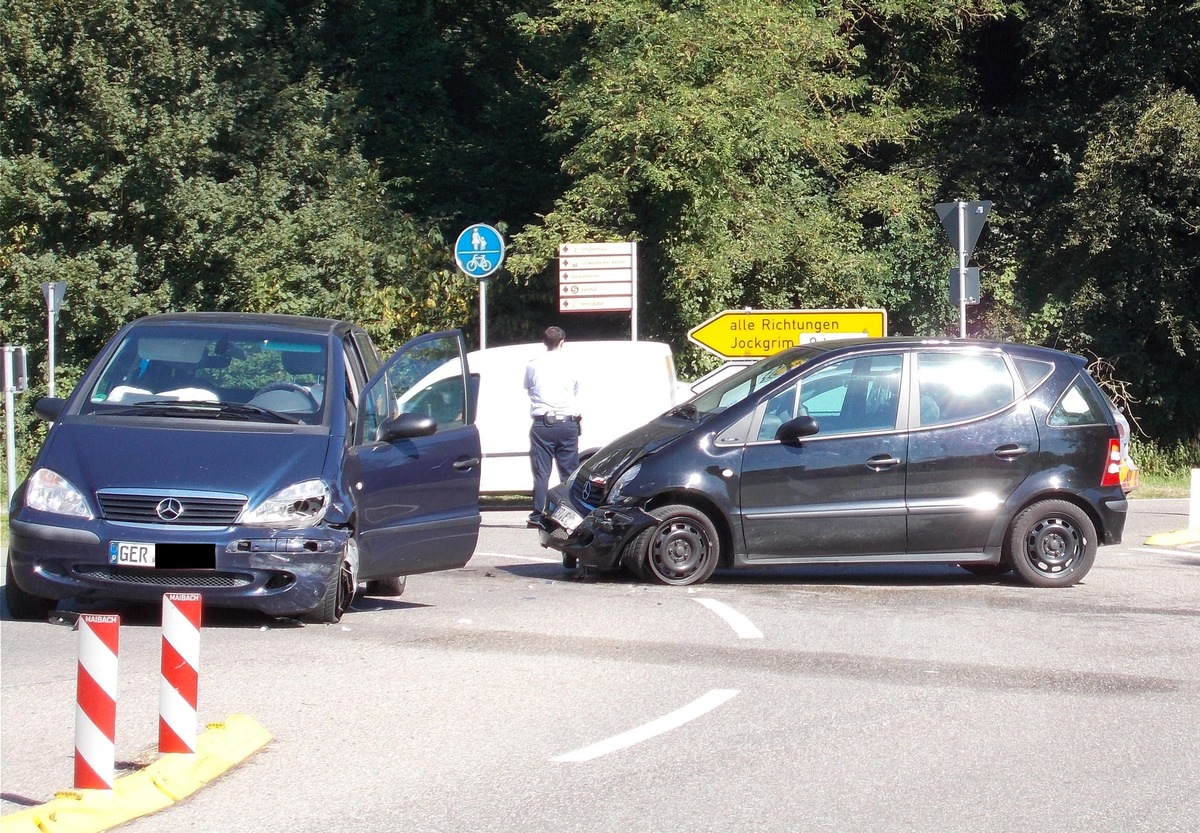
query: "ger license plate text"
131, 554
566, 517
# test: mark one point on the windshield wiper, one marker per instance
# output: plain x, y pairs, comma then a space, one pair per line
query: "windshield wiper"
208, 410
685, 411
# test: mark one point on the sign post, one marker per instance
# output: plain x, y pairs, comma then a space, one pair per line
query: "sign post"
479, 251
750, 334
53, 293
963, 222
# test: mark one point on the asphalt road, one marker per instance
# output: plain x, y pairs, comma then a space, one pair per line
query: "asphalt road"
509, 696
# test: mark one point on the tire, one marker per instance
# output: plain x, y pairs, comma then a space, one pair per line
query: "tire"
339, 593
569, 562
1052, 544
684, 548
393, 586
23, 606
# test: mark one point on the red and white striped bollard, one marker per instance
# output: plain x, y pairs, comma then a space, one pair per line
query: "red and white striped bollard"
180, 672
96, 701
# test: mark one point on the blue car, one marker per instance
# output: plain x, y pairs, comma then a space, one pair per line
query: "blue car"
267, 462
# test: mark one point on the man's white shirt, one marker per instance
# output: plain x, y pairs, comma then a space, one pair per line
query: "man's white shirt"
553, 384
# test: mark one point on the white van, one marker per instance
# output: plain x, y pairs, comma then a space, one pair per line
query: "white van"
623, 385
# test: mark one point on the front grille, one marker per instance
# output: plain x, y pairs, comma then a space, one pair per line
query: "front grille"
162, 578
194, 509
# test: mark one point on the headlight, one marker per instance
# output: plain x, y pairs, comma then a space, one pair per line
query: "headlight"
296, 507
49, 491
614, 494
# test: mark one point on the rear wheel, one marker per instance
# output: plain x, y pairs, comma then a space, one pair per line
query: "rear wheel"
21, 605
683, 548
1052, 544
339, 590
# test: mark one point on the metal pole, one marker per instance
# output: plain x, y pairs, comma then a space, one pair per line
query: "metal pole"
633, 328
50, 343
9, 426
483, 314
1194, 503
962, 269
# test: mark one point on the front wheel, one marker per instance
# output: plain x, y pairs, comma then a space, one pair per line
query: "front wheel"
683, 548
339, 590
1052, 544
392, 587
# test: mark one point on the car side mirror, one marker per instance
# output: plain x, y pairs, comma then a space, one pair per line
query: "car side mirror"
405, 427
49, 408
792, 430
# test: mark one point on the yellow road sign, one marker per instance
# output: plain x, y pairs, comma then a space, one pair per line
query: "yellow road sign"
742, 334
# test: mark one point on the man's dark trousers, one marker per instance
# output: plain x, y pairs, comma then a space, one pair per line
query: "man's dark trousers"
548, 444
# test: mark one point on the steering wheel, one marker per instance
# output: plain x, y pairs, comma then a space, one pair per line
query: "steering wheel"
289, 386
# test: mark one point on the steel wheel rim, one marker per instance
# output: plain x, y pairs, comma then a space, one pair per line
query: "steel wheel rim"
678, 550
1053, 545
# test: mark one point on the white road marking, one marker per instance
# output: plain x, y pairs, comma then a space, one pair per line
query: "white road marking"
742, 626
666, 723
521, 557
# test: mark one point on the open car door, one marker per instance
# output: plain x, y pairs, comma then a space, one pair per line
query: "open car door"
415, 460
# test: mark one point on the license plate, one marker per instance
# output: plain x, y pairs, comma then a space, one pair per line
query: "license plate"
131, 554
566, 517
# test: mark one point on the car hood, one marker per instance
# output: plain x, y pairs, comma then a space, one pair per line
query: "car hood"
97, 455
639, 442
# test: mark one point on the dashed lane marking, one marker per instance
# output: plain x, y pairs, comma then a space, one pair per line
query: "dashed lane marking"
666, 723
742, 626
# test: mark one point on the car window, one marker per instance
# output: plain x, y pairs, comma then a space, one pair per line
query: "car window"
850, 396
427, 378
1033, 372
952, 387
737, 387
1077, 406
272, 370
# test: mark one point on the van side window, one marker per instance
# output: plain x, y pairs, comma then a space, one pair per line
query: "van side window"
1077, 406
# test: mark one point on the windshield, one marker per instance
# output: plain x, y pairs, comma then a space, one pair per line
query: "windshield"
213, 371
730, 391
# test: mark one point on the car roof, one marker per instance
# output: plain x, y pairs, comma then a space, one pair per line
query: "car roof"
302, 323
876, 345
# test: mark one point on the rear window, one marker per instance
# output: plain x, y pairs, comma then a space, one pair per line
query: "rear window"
1079, 405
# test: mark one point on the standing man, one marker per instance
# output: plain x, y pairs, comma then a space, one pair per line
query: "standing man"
553, 387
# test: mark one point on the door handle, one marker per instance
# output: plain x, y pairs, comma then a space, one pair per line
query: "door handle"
882, 461
467, 464
1011, 451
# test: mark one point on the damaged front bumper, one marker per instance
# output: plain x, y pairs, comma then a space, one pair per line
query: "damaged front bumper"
600, 539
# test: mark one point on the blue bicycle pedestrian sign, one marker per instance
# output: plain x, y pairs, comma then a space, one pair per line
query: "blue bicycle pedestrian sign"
479, 250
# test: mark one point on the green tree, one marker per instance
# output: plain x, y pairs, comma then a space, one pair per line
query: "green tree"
165, 156
1090, 140
762, 150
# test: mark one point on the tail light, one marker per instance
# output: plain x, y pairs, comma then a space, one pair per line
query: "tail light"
1112, 464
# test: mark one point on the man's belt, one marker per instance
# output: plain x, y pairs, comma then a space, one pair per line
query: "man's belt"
551, 418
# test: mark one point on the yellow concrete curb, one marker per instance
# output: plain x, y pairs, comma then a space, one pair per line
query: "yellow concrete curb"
172, 777
1174, 539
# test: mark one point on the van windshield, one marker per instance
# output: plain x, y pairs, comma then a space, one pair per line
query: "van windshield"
734, 389
214, 372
